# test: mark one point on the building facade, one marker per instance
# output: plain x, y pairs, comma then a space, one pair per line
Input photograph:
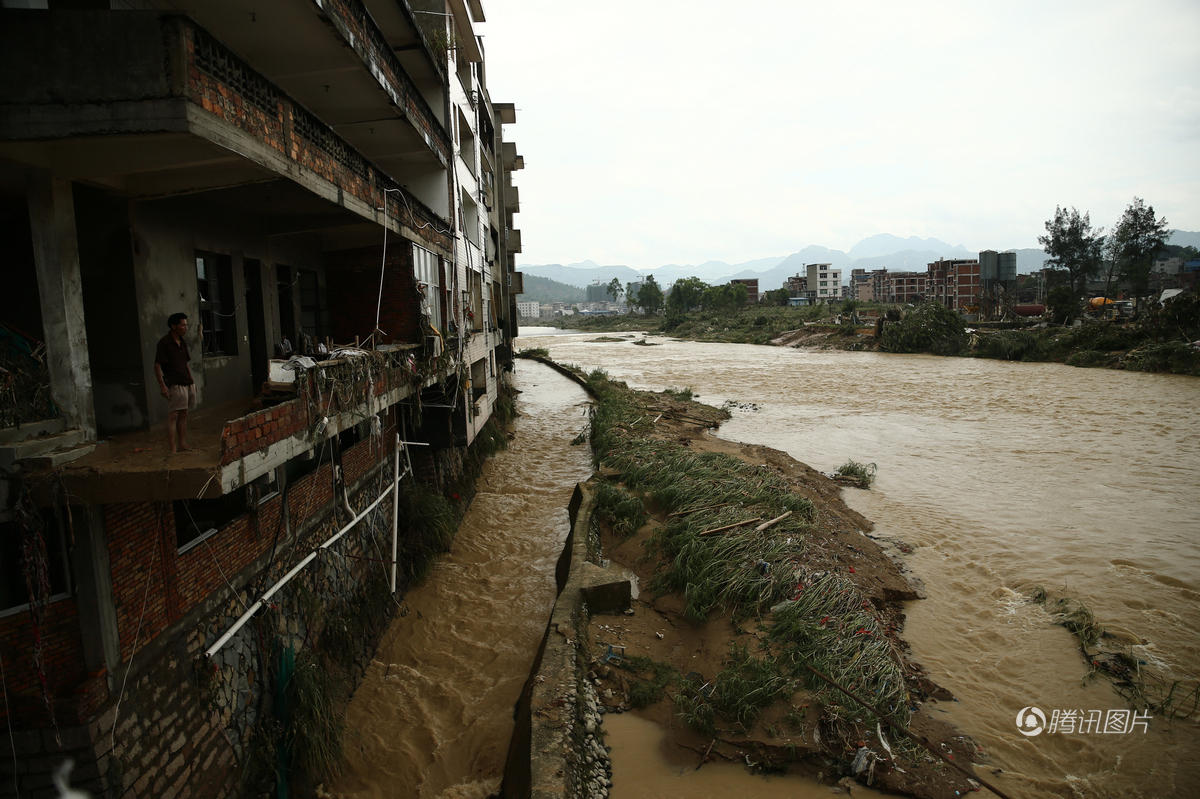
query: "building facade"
823, 282
751, 285
326, 179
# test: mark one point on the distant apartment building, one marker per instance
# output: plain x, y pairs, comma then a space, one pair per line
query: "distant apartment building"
751, 285
823, 282
529, 309
796, 285
858, 279
956, 283
906, 287
962, 284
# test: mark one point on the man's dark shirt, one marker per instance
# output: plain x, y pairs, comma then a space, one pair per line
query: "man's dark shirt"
173, 358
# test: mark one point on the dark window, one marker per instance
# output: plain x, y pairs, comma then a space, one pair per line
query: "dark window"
14, 566
352, 435
303, 465
214, 281
197, 519
265, 486
287, 314
310, 305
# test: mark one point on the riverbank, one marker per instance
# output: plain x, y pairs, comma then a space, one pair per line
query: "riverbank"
1162, 341
768, 632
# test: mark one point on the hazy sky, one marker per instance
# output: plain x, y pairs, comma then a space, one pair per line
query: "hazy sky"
679, 131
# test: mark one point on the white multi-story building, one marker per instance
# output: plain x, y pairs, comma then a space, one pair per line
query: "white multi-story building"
529, 309
824, 283
483, 201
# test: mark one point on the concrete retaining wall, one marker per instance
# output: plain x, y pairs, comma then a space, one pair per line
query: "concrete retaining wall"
557, 749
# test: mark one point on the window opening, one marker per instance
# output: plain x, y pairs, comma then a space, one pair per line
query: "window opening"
428, 277
197, 519
218, 321
14, 589
265, 486
311, 322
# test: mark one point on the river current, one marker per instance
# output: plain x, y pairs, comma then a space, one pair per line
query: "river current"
1002, 477
434, 714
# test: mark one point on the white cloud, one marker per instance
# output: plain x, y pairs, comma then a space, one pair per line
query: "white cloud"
679, 131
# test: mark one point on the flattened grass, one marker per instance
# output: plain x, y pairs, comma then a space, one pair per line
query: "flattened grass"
813, 620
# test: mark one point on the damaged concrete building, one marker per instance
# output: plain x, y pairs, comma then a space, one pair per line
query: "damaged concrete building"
317, 178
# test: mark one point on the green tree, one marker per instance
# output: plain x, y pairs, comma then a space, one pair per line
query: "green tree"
930, 327
1134, 242
776, 297
631, 297
687, 294
650, 296
737, 295
613, 289
725, 298
1062, 303
1073, 247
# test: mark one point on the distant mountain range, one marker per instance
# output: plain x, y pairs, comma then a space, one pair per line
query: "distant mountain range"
876, 252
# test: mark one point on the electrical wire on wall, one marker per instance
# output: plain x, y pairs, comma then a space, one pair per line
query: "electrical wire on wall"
136, 635
12, 742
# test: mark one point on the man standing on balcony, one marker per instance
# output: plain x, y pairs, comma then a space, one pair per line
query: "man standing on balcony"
175, 380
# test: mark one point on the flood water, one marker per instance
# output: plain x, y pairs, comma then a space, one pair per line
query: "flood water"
434, 714
1002, 477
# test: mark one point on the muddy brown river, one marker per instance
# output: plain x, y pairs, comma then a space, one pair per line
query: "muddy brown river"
1000, 476
434, 713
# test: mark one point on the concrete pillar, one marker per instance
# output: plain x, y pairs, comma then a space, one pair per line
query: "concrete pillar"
97, 612
60, 288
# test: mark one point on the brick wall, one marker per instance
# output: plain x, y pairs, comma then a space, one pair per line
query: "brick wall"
141, 536
358, 459
62, 656
354, 274
148, 570
185, 724
260, 429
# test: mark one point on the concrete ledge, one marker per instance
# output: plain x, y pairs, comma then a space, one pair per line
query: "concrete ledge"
603, 592
541, 756
29, 430
58, 446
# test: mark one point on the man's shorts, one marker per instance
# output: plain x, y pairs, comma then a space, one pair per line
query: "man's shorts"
180, 398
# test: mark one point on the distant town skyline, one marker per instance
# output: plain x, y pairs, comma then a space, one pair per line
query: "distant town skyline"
681, 132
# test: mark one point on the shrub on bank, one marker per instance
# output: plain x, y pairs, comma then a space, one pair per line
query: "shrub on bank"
1177, 357
1088, 358
930, 327
1012, 345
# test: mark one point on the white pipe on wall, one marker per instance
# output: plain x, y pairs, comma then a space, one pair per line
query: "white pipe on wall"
245, 617
395, 509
